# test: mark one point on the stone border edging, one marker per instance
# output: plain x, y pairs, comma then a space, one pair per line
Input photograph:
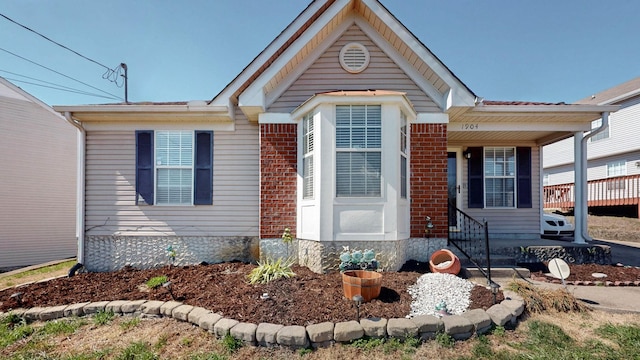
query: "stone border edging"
424, 327
586, 282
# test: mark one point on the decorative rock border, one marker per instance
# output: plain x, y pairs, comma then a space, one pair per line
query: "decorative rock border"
424, 327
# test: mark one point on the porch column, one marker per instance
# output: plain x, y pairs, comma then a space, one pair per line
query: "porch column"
580, 195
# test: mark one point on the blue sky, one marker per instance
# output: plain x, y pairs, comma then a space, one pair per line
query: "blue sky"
543, 50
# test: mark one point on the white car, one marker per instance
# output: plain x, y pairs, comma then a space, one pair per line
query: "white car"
556, 226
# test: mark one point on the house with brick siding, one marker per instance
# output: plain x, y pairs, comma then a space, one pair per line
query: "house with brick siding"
346, 129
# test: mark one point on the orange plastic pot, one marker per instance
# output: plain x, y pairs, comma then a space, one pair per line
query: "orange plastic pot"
361, 282
444, 261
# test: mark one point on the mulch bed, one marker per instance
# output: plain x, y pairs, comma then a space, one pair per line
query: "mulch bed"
307, 298
583, 275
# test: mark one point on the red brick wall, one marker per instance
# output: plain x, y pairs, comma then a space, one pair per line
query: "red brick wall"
278, 179
428, 179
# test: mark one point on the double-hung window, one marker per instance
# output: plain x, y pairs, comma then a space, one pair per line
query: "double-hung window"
403, 156
616, 169
307, 156
174, 167
500, 176
358, 150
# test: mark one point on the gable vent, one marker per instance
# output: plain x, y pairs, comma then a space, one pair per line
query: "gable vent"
354, 57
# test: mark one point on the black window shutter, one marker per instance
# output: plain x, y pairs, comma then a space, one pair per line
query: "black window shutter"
203, 182
144, 167
523, 166
476, 181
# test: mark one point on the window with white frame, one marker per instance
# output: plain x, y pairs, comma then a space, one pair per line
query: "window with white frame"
307, 156
358, 150
403, 156
604, 134
616, 169
500, 176
174, 167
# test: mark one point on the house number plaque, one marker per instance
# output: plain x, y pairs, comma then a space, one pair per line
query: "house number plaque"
470, 127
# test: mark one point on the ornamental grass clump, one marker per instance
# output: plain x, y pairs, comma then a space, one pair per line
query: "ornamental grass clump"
270, 270
358, 260
539, 300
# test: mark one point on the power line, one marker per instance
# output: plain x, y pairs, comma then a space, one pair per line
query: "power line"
112, 75
59, 73
54, 85
60, 89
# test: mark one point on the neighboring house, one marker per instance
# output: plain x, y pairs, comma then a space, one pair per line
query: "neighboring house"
38, 183
345, 129
613, 168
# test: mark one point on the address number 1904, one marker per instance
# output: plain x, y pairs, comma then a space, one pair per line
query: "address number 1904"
470, 127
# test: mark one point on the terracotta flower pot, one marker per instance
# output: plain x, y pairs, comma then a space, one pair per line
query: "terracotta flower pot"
361, 282
444, 261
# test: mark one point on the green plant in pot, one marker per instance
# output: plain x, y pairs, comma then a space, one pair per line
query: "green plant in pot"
358, 260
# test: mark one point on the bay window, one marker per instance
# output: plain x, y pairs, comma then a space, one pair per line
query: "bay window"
358, 150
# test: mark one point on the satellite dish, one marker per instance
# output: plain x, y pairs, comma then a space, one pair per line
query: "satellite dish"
559, 268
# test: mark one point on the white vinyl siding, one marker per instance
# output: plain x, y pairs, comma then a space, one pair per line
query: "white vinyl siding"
110, 192
358, 147
174, 167
38, 183
624, 133
604, 134
307, 156
326, 74
500, 177
511, 223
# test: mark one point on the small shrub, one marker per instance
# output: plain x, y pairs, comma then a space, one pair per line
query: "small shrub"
103, 317
303, 352
445, 340
271, 270
155, 282
231, 344
211, 356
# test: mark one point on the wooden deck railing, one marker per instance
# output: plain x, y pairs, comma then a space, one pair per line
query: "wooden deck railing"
622, 190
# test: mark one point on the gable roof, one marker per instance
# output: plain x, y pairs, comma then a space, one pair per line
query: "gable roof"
314, 30
615, 94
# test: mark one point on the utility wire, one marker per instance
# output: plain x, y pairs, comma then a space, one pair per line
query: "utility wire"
61, 74
61, 89
112, 75
54, 85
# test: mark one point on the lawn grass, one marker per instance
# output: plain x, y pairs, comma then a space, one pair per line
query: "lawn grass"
40, 273
592, 335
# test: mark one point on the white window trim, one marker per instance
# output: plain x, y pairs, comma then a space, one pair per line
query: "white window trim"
308, 156
157, 167
619, 164
352, 150
514, 177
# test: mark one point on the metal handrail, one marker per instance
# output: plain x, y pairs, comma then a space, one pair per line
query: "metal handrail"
471, 238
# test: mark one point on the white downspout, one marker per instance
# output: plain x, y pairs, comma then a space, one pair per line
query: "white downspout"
80, 187
581, 235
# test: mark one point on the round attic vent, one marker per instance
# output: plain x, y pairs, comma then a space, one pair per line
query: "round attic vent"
354, 57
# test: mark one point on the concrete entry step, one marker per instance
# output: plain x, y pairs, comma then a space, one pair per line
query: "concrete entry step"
496, 261
499, 272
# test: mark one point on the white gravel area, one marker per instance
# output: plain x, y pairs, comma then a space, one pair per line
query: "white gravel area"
433, 289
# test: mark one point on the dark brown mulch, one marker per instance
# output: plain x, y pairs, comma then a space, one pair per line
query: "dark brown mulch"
307, 298
584, 274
